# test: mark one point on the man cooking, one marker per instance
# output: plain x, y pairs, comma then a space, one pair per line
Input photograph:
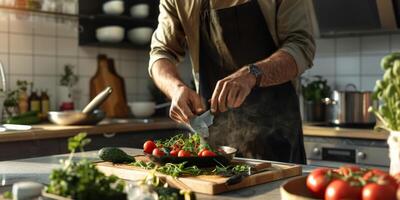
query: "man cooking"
245, 55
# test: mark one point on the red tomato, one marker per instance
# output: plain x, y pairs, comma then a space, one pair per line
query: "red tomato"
318, 180
340, 189
380, 177
183, 153
158, 153
348, 170
149, 146
208, 153
374, 191
200, 152
174, 153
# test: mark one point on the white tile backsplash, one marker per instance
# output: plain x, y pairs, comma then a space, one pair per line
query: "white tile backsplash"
395, 42
44, 65
325, 46
323, 65
343, 81
346, 46
44, 45
375, 44
88, 52
371, 64
21, 64
4, 61
348, 65
87, 66
3, 42
67, 47
44, 25
21, 44
4, 24
128, 69
67, 28
368, 82
21, 22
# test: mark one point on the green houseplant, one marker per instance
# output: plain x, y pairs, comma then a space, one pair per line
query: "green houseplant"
387, 92
314, 90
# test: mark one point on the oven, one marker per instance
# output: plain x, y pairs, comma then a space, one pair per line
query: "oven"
335, 152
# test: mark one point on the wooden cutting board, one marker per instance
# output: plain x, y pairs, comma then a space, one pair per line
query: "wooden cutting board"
116, 103
206, 184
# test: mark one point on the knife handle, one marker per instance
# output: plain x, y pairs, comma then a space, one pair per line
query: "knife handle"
235, 179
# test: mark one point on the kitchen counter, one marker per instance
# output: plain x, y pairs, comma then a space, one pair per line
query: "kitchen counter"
38, 169
312, 130
107, 126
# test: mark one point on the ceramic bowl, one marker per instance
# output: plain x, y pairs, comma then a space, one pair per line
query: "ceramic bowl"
140, 35
114, 7
111, 34
142, 109
140, 10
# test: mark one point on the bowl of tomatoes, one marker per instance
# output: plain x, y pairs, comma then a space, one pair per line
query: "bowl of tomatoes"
189, 150
346, 182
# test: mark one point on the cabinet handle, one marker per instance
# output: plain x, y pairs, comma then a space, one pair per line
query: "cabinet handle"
109, 135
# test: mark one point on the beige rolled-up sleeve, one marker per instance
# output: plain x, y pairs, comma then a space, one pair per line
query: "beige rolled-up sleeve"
295, 32
168, 40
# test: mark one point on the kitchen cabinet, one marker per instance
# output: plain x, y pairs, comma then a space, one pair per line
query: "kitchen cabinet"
91, 17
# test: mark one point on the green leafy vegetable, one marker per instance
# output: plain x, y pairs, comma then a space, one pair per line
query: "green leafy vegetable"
82, 180
7, 195
315, 90
387, 91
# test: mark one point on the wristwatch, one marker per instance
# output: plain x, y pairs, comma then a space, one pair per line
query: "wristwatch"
257, 72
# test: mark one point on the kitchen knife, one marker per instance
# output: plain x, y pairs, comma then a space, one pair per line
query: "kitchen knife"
200, 124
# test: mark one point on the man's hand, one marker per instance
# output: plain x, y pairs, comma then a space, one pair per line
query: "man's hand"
185, 104
231, 91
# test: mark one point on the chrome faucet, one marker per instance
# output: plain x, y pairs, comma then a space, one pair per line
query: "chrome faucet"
3, 77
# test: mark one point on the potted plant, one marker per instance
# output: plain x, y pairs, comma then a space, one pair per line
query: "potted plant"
67, 82
314, 90
387, 92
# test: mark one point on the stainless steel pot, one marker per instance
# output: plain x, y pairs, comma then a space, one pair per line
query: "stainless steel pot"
350, 107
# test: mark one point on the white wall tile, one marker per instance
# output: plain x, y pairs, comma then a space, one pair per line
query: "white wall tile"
346, 46
67, 28
21, 22
348, 65
368, 82
143, 55
4, 20
44, 65
3, 42
44, 45
62, 61
325, 46
44, 25
143, 86
111, 53
370, 65
128, 69
84, 85
88, 52
127, 54
87, 67
21, 44
132, 85
395, 42
343, 81
375, 44
67, 47
20, 64
142, 69
323, 66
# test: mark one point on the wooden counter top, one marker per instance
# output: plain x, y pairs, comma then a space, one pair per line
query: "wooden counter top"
47, 131
310, 130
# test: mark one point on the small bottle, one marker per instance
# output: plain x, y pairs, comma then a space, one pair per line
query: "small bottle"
23, 103
34, 102
44, 104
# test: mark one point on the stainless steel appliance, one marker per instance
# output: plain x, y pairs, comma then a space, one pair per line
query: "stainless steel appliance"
335, 152
350, 107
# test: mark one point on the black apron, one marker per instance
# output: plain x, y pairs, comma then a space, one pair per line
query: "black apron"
268, 123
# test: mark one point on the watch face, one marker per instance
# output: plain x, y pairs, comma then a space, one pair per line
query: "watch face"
255, 70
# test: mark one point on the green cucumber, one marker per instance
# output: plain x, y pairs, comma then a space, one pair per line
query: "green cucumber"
115, 155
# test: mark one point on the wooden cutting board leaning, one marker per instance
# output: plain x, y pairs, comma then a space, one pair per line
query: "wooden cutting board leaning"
207, 184
116, 104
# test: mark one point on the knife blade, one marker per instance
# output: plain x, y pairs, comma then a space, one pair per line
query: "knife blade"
200, 124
